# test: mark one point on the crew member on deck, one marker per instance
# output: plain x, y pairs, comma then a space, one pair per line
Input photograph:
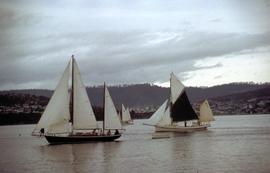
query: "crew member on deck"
116, 132
94, 133
41, 132
109, 133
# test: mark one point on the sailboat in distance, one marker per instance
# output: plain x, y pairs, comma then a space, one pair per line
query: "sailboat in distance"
175, 114
69, 117
125, 116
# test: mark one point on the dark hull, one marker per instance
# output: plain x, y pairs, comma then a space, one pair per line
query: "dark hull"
80, 139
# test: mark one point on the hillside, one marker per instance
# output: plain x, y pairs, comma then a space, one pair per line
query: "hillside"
249, 102
146, 95
19, 107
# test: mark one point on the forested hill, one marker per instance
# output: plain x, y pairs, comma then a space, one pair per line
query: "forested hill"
142, 95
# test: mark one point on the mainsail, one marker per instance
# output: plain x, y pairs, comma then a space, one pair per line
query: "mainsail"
111, 119
128, 114
84, 117
56, 116
181, 109
125, 114
206, 113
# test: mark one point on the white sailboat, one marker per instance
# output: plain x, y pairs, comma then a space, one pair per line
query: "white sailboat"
206, 114
176, 114
125, 116
69, 117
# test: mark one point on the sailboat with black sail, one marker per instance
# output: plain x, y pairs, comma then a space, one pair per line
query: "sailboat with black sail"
69, 117
175, 114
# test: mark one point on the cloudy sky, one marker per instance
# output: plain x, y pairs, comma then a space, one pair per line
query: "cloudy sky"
204, 42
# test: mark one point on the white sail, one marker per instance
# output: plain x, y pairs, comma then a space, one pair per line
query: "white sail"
206, 113
156, 117
57, 110
166, 118
176, 88
61, 127
125, 114
84, 117
123, 117
111, 118
128, 115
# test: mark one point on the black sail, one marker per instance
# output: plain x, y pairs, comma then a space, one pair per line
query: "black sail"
182, 109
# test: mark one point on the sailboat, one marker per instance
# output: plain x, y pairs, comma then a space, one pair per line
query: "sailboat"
206, 114
125, 116
175, 114
69, 117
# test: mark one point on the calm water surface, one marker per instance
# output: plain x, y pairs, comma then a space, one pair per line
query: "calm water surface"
232, 144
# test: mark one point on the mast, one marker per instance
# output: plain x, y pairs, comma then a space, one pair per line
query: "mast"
72, 90
104, 109
171, 99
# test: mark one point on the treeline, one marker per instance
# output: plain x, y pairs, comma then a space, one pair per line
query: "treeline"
11, 99
33, 118
142, 95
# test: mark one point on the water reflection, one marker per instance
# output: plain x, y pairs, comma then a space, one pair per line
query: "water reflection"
93, 157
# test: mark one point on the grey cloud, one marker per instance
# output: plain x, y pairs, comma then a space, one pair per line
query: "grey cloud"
35, 45
121, 57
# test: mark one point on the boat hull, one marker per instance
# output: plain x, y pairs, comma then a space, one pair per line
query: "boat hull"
80, 139
127, 122
180, 129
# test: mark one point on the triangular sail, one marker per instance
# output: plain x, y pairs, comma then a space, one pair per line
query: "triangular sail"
181, 109
84, 117
206, 113
128, 115
166, 118
156, 117
176, 88
111, 119
56, 116
123, 110
125, 114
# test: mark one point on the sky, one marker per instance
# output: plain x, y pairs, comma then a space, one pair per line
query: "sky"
204, 42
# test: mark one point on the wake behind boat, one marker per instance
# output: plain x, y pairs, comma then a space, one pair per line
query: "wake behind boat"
176, 114
69, 117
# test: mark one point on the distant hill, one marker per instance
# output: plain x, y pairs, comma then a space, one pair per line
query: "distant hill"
142, 95
249, 102
26, 106
255, 94
199, 93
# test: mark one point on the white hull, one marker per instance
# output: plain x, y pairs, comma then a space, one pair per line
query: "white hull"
180, 129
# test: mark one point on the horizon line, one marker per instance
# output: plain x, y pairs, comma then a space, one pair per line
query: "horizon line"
151, 84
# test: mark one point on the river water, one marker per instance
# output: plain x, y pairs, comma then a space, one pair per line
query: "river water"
232, 144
